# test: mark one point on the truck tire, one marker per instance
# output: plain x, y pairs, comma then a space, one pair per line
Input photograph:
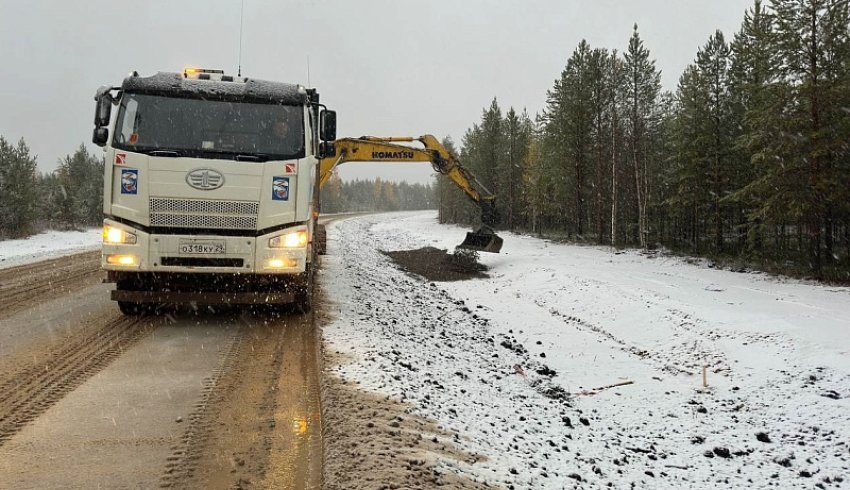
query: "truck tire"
130, 308
321, 240
304, 301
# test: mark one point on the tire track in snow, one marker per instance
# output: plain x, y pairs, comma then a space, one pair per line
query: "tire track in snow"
25, 286
46, 375
258, 420
686, 349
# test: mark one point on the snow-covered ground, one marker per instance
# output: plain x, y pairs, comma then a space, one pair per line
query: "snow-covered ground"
513, 364
47, 245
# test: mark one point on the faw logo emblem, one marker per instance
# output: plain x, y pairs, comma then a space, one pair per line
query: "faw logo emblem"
205, 179
393, 155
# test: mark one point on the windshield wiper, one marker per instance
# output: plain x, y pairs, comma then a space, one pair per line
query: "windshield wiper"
164, 153
259, 157
239, 157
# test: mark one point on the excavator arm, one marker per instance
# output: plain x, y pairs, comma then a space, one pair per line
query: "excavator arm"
387, 149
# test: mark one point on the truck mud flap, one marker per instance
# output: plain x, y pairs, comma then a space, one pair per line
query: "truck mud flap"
321, 240
252, 298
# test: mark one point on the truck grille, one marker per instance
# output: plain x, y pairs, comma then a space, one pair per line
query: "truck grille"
196, 213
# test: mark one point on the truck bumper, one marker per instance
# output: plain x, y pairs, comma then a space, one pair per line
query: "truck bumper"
206, 298
213, 288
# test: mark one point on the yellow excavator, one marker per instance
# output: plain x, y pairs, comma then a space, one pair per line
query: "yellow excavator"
388, 149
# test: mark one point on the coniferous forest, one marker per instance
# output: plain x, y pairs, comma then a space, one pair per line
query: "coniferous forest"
375, 195
68, 198
747, 160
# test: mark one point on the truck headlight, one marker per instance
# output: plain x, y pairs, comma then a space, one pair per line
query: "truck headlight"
295, 239
116, 236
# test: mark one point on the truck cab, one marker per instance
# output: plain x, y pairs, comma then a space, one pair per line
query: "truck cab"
209, 188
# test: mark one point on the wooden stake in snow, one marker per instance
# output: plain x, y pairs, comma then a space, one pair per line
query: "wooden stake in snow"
597, 390
705, 376
623, 383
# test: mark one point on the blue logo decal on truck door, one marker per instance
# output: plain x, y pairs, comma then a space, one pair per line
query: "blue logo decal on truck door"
280, 188
129, 181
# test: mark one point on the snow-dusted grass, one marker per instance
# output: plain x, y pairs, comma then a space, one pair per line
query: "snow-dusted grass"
472, 355
47, 245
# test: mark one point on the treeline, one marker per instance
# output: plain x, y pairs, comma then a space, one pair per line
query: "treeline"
375, 195
69, 197
748, 158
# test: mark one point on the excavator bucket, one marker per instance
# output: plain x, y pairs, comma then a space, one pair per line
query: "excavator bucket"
483, 240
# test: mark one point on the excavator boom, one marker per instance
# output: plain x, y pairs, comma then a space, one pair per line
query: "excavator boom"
388, 149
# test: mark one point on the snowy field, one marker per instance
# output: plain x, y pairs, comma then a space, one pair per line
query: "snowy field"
519, 366
47, 245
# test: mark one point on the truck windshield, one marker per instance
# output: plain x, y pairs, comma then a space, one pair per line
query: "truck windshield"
212, 129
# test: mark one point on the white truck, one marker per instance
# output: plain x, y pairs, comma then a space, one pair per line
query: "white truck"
209, 188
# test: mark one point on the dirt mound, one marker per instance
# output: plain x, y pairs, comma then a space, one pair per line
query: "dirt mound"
435, 264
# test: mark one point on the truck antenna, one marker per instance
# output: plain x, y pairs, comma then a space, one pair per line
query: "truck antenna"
241, 14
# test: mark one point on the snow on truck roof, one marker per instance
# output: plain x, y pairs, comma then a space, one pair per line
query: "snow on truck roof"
238, 90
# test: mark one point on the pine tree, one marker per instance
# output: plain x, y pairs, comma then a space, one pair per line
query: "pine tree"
539, 181
512, 158
813, 37
753, 85
643, 86
570, 117
688, 173
80, 195
713, 65
616, 79
453, 204
18, 189
490, 165
601, 113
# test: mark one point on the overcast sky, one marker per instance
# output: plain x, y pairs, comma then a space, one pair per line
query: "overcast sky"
389, 67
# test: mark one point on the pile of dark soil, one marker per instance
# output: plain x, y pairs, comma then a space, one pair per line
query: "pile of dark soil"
435, 264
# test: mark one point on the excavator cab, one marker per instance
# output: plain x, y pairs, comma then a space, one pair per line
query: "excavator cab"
483, 239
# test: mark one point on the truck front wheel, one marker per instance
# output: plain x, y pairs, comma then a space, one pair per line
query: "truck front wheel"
131, 308
304, 301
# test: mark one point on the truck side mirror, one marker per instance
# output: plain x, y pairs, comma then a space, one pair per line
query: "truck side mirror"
100, 136
327, 149
103, 110
328, 132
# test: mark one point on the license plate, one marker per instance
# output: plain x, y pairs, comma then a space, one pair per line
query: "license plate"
202, 247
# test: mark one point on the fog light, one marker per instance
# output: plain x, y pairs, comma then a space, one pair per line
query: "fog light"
281, 263
123, 260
